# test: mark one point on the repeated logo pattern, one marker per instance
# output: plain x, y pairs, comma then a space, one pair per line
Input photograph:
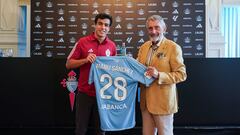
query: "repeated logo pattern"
58, 24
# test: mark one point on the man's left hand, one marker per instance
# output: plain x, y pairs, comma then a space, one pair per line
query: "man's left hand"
152, 71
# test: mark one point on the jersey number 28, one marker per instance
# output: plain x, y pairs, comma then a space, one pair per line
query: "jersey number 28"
118, 87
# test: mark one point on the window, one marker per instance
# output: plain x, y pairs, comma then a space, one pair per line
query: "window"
231, 30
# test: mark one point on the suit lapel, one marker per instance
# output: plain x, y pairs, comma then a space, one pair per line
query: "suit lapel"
161, 51
146, 49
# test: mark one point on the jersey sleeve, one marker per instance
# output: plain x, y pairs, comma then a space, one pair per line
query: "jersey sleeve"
139, 72
75, 52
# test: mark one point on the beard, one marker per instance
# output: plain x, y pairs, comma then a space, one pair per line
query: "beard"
156, 38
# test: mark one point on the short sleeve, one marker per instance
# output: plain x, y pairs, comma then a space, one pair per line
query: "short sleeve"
139, 72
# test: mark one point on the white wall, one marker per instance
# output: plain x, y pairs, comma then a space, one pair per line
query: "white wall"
215, 44
8, 25
231, 2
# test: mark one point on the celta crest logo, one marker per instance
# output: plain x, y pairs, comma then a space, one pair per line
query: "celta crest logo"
71, 84
108, 52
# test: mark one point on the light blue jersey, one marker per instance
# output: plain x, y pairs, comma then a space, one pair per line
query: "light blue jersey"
116, 79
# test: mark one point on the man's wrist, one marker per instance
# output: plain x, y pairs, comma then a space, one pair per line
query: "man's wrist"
156, 74
85, 61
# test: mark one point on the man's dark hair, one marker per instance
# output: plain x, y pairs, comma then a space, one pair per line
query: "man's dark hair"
103, 16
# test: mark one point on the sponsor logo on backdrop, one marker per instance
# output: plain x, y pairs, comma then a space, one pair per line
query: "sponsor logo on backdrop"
37, 4
38, 26
129, 4
175, 4
163, 4
37, 18
175, 11
72, 40
175, 33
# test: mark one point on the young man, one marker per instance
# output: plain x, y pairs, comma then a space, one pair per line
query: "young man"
164, 60
82, 55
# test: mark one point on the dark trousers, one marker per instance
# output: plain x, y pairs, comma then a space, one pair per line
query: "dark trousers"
87, 112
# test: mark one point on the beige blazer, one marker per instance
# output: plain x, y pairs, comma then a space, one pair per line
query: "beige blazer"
161, 96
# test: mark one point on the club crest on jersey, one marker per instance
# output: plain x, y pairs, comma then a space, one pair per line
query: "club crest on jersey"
107, 52
90, 51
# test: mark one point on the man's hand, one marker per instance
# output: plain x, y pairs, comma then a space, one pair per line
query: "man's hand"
91, 57
152, 71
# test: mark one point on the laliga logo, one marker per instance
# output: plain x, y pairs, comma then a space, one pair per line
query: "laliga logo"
71, 84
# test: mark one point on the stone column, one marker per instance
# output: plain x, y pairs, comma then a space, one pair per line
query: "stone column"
8, 26
215, 44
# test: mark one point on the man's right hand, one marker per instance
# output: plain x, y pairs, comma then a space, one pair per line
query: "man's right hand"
91, 57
